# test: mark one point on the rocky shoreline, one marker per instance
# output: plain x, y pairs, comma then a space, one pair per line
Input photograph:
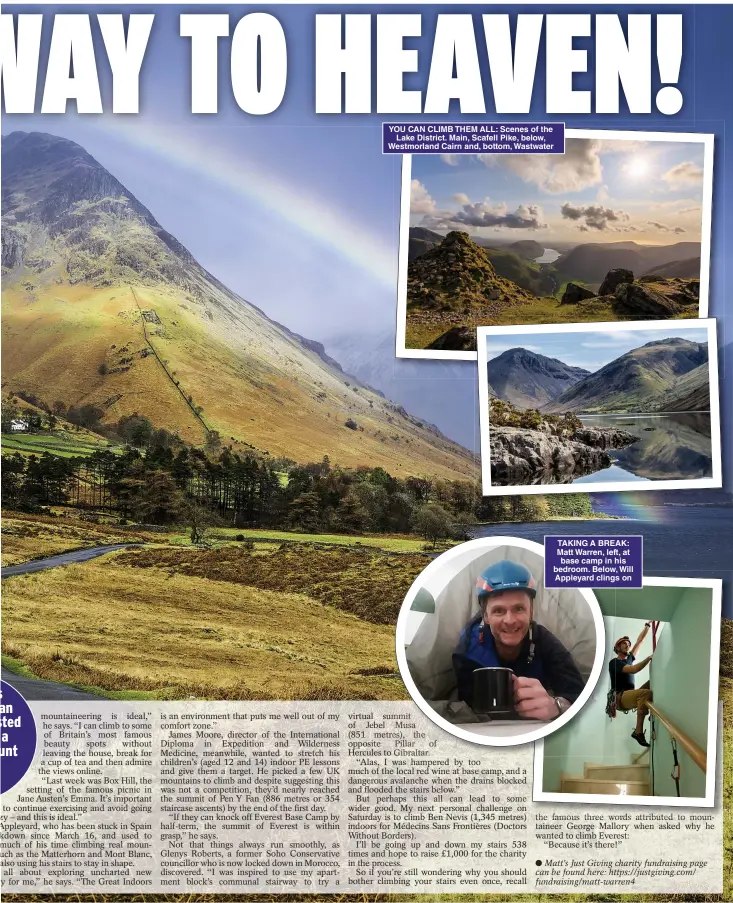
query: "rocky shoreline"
526, 456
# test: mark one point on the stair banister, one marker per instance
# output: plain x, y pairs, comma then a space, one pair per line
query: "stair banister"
695, 752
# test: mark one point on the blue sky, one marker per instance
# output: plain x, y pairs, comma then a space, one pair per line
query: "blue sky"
610, 190
590, 350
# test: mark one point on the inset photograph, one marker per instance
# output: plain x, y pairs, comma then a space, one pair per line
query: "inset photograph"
648, 733
617, 228
602, 406
488, 653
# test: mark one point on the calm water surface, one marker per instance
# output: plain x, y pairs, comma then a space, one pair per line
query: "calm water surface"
550, 256
670, 447
678, 541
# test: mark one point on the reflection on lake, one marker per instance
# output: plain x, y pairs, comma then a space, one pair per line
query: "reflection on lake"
670, 447
550, 255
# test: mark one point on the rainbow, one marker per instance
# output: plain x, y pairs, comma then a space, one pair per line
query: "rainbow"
637, 506
244, 178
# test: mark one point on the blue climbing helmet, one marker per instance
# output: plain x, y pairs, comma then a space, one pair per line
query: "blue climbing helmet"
505, 575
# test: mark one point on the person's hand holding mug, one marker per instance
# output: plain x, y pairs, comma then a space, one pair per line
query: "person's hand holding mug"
531, 699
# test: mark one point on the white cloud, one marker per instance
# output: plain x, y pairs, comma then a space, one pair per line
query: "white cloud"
620, 146
683, 175
484, 213
662, 227
450, 159
578, 168
595, 217
420, 199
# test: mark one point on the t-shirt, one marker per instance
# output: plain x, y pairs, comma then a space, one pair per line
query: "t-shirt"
620, 681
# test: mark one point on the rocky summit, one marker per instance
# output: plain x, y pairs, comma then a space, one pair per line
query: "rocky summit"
650, 297
458, 276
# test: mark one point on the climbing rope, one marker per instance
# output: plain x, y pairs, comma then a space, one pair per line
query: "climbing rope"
676, 770
652, 737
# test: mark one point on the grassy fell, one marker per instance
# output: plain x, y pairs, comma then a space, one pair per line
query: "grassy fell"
61, 443
29, 537
56, 338
174, 635
367, 583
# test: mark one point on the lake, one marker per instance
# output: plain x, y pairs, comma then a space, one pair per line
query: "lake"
670, 447
679, 541
550, 255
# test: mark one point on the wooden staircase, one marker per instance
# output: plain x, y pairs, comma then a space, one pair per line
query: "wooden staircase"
611, 780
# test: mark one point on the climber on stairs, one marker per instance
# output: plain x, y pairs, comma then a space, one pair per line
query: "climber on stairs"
622, 670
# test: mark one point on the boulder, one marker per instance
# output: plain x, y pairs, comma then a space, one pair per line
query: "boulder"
574, 293
604, 437
613, 279
523, 457
459, 338
637, 299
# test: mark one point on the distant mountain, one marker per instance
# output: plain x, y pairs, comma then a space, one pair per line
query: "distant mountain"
529, 380
422, 240
443, 393
690, 392
680, 269
527, 248
510, 265
590, 262
102, 306
635, 382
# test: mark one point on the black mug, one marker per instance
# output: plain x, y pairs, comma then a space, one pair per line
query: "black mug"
493, 691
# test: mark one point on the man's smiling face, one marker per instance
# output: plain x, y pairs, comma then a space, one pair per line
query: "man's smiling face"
508, 616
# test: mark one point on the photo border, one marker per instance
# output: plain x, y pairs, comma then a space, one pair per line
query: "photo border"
713, 482
706, 802
484, 544
706, 139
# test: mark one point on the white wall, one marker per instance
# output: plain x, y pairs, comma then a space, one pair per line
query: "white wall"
592, 736
681, 671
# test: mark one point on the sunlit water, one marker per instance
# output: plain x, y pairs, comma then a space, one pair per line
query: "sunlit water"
679, 541
550, 256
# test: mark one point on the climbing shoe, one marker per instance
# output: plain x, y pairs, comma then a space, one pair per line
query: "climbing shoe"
640, 738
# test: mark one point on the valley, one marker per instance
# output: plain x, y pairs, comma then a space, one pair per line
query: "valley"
458, 282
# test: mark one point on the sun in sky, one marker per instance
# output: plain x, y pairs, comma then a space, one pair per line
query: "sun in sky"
602, 189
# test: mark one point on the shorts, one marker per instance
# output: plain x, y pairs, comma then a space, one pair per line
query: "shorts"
634, 699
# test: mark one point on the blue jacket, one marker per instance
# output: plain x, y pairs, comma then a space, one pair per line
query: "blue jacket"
551, 662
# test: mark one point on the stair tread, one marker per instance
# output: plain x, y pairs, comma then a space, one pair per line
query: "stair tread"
586, 780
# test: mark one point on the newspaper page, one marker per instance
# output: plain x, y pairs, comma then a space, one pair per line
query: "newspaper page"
366, 452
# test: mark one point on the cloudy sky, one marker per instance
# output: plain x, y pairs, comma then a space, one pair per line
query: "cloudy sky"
610, 190
588, 349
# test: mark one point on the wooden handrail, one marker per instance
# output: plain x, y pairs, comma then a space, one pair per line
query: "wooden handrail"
695, 752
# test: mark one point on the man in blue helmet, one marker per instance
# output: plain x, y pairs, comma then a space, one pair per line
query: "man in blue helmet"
504, 635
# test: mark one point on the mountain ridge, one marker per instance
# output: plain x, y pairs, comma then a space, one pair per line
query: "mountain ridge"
636, 381
76, 243
528, 380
